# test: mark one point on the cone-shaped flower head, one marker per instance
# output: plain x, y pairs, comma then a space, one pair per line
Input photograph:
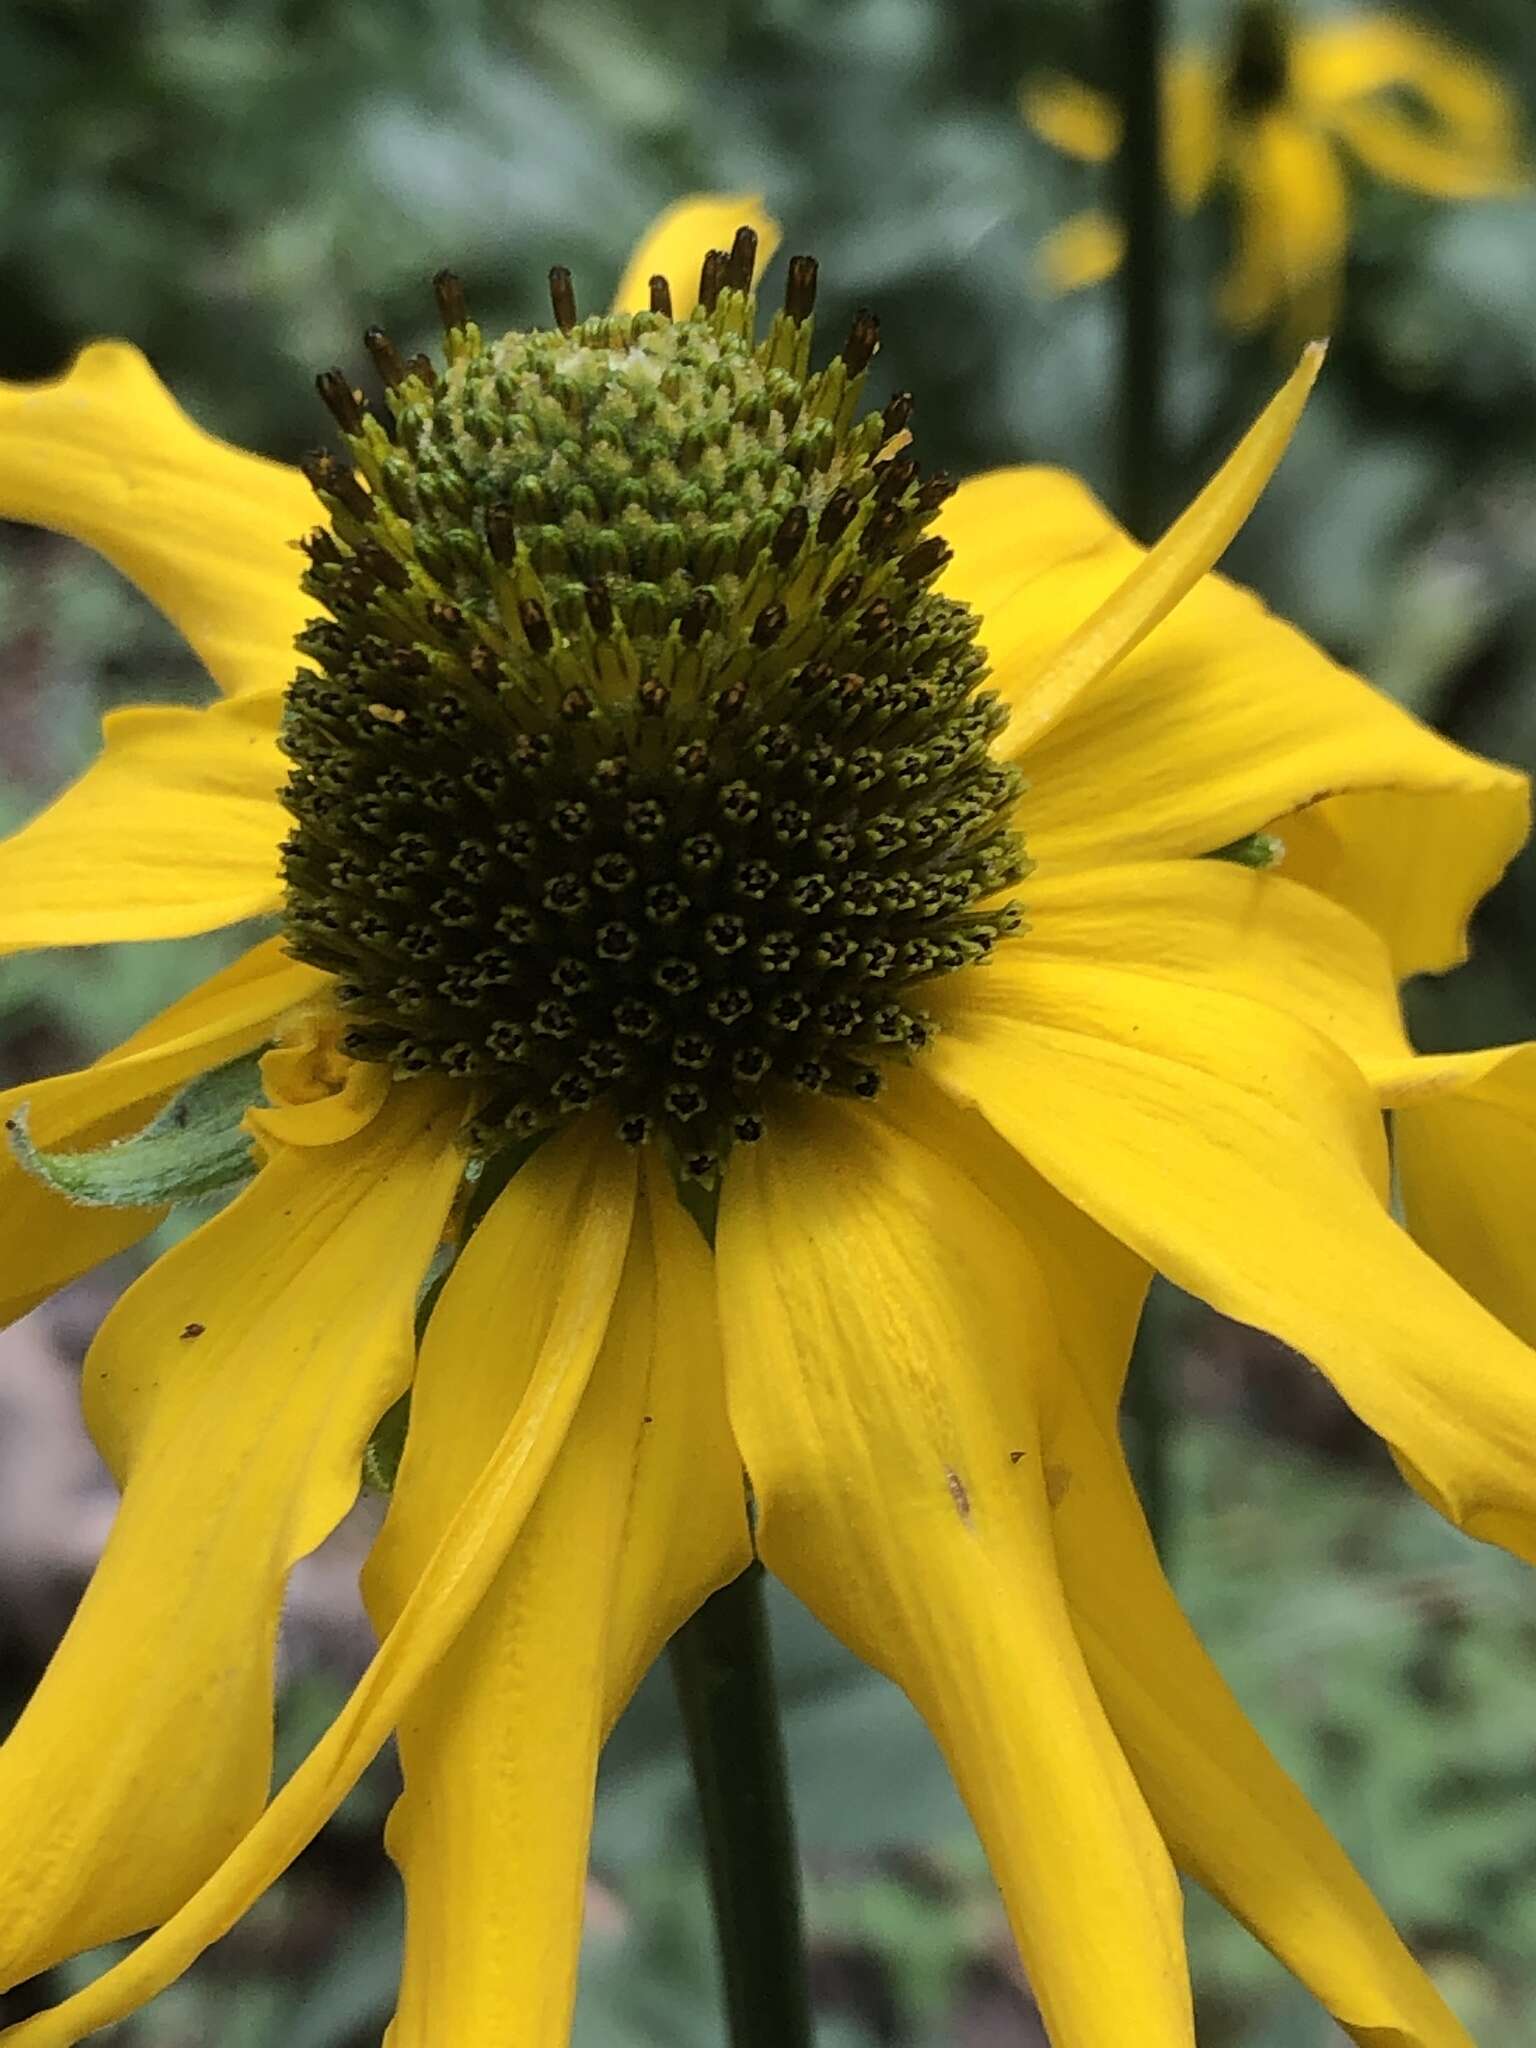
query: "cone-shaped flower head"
641, 763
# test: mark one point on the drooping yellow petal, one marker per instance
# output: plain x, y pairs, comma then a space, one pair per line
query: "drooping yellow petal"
1083, 251
231, 1391
1212, 923
536, 1209
105, 454
174, 828
1394, 146
885, 1335
1193, 124
1222, 722
642, 1515
1462, 142
1231, 1816
1240, 1152
1292, 226
1464, 1145
46, 1240
676, 243
1154, 585
1071, 117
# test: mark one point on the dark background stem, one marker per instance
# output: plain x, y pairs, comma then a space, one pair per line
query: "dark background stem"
1144, 481
1137, 27
722, 1667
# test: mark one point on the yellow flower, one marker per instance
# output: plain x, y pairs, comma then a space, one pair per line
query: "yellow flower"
726, 641
1270, 126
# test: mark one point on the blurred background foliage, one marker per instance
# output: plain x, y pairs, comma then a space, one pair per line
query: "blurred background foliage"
241, 189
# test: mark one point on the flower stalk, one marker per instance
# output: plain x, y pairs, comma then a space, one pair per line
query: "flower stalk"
1138, 28
723, 1670
1142, 478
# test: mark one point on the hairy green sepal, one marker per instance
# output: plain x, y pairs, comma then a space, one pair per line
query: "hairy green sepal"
195, 1148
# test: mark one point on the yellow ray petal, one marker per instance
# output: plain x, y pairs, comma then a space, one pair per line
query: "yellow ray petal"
174, 828
1394, 146
1193, 123
1240, 1152
1222, 722
885, 1335
677, 241
1292, 226
47, 1240
1212, 923
1464, 1145
1083, 251
1465, 142
105, 454
231, 1390
642, 1515
578, 1192
1233, 1819
1071, 117
1231, 1816
1161, 577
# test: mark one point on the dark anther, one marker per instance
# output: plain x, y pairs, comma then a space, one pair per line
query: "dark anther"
842, 594
696, 617
894, 477
790, 538
800, 288
661, 296
562, 297
320, 546
449, 293
897, 413
731, 702
575, 705
387, 359
536, 628
424, 368
712, 277
501, 534
334, 479
444, 618
769, 624
742, 260
484, 666
886, 524
653, 697
863, 340
599, 608
340, 400
837, 516
929, 555
383, 567
937, 491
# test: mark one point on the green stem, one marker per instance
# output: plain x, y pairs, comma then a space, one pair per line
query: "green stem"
1143, 504
722, 1667
1143, 478
1152, 1419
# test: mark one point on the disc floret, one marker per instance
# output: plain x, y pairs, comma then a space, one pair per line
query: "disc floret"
638, 760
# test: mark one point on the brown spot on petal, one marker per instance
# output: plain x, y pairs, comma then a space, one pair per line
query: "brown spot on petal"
192, 1330
959, 1495
1058, 1478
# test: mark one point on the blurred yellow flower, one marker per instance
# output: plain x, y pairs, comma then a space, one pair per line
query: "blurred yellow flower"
1269, 127
630, 628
